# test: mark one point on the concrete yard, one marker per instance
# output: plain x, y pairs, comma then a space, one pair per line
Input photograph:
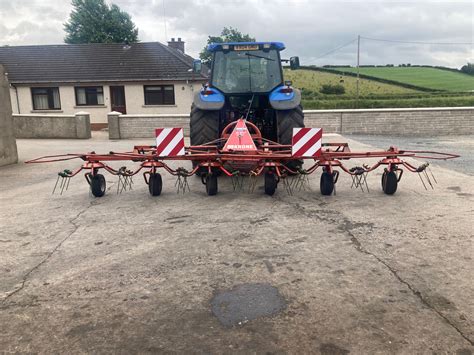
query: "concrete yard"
352, 273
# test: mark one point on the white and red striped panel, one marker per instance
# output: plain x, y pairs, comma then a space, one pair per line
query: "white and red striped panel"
169, 142
306, 142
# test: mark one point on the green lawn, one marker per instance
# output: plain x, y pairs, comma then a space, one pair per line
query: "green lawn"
313, 80
431, 78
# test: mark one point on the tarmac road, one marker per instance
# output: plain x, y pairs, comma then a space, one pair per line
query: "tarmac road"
350, 273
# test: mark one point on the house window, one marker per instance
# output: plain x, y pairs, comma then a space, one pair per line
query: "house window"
159, 95
46, 98
89, 96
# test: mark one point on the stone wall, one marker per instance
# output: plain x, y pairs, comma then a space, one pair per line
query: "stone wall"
329, 121
399, 122
76, 126
143, 126
8, 151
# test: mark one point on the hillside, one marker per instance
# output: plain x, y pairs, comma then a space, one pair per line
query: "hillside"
373, 94
313, 80
431, 78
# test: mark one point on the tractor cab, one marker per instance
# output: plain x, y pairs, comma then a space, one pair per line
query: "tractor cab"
247, 81
246, 68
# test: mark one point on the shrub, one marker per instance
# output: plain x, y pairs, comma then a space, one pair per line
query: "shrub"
332, 89
468, 68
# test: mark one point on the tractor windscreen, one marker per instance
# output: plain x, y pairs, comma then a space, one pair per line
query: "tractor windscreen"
246, 71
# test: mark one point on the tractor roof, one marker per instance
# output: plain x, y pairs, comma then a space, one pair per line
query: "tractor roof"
214, 47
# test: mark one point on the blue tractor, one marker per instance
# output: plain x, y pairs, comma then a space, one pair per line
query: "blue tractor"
246, 80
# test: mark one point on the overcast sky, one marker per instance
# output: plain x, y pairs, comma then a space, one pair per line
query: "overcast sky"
308, 28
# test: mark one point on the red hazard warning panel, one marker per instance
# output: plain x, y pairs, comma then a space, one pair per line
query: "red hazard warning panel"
169, 142
240, 139
306, 142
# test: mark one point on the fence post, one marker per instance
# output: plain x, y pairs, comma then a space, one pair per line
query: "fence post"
83, 125
113, 118
8, 150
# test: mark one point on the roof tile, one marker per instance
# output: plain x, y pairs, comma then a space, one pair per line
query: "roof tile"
96, 62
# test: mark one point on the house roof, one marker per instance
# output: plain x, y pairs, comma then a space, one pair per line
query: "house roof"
96, 62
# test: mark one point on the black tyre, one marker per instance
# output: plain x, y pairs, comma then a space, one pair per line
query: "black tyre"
286, 121
389, 182
155, 184
211, 184
271, 183
326, 184
98, 185
203, 128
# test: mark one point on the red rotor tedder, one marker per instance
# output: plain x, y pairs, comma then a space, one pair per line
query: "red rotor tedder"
243, 152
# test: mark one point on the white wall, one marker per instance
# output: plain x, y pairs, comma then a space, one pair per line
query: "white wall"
134, 97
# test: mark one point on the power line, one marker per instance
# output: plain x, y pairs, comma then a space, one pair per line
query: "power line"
336, 49
417, 42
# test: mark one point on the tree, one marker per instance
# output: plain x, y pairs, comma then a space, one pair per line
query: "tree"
93, 21
228, 34
468, 68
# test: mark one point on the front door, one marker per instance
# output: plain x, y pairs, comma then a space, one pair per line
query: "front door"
117, 99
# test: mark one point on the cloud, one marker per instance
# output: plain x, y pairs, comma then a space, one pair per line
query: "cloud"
308, 28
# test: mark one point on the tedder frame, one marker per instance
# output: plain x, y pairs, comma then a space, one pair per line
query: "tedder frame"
240, 152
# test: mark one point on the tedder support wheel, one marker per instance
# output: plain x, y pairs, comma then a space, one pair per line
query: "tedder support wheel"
204, 128
155, 184
211, 184
98, 185
286, 121
389, 182
271, 182
326, 184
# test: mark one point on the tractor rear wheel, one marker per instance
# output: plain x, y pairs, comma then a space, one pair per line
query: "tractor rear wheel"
286, 121
98, 185
203, 128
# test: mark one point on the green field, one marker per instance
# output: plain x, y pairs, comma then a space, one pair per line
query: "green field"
313, 80
432, 78
373, 94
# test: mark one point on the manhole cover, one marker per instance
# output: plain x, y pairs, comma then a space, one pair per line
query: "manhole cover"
247, 302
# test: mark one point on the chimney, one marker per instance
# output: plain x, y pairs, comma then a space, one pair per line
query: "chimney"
179, 44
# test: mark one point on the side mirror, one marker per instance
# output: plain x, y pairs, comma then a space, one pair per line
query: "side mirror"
197, 66
294, 63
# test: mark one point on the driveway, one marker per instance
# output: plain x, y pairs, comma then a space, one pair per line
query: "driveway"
353, 272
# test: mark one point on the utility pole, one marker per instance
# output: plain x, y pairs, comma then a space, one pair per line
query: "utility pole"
358, 71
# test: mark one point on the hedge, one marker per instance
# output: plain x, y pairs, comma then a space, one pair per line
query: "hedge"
351, 103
